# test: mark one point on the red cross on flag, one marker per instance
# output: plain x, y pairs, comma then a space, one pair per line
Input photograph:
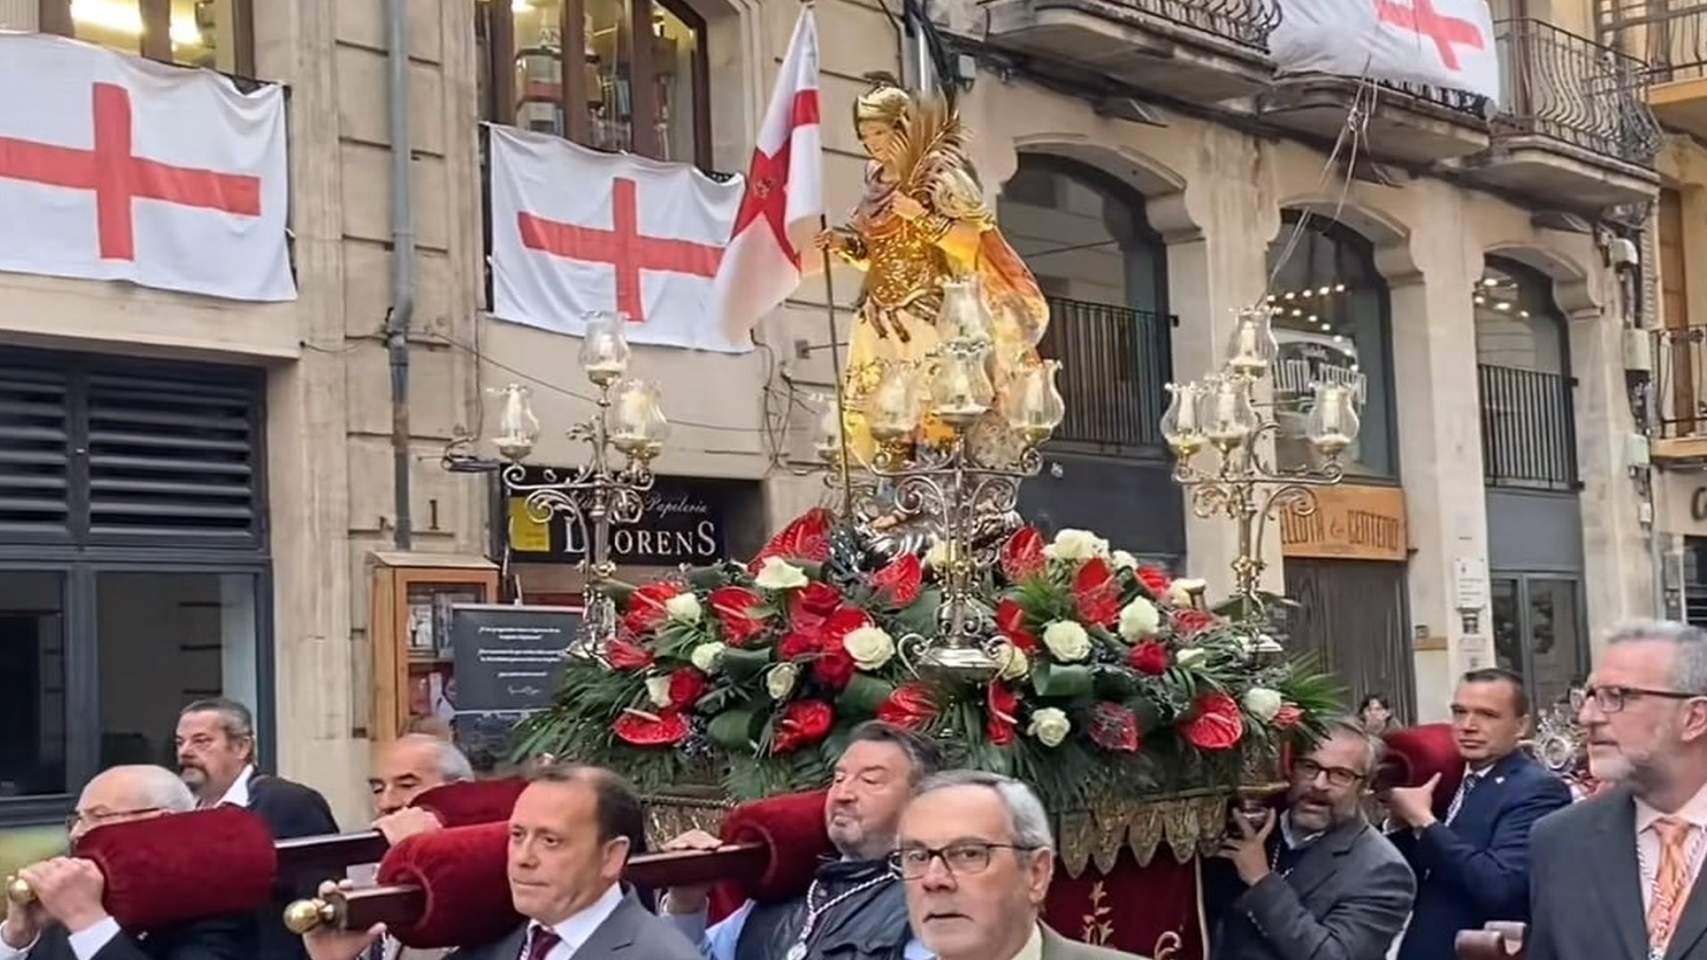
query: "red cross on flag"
784, 204
1442, 43
117, 168
576, 230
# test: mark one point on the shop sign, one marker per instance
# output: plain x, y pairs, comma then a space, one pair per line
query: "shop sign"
683, 521
1350, 522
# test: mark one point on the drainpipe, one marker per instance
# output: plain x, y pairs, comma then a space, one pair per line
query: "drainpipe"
402, 262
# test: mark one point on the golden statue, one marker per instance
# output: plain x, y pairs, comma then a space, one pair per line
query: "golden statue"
922, 221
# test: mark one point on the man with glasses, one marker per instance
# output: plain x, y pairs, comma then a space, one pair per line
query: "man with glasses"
68, 921
1318, 882
976, 855
1472, 863
1615, 875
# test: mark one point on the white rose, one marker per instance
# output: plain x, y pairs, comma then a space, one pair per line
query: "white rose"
937, 556
1189, 656
780, 681
1050, 726
779, 574
1067, 641
683, 608
1123, 560
1073, 544
1181, 591
658, 690
1011, 661
1139, 619
1262, 703
870, 647
706, 656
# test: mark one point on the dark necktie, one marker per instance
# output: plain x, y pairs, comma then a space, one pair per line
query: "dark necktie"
1464, 789
543, 940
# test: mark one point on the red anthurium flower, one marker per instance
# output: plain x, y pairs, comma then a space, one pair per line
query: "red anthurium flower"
686, 687
625, 654
1149, 657
663, 729
839, 625
1155, 580
809, 605
735, 607
1022, 555
900, 581
1191, 622
1216, 724
803, 722
646, 606
799, 644
1288, 716
1004, 714
833, 669
1010, 619
1095, 592
806, 538
1114, 727
910, 707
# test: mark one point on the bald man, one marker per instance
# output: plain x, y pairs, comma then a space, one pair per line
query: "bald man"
68, 920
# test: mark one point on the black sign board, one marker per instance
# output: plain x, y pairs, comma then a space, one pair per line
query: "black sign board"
509, 658
684, 521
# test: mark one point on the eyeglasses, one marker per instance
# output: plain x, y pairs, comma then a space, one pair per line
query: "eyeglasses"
1611, 699
95, 818
965, 858
1308, 770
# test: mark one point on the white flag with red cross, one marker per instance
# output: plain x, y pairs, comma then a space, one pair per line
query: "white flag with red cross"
1441, 43
784, 204
113, 167
577, 230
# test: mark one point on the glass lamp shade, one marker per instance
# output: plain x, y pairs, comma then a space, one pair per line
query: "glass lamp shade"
518, 428
827, 438
961, 390
892, 412
1033, 403
1181, 426
604, 348
1252, 347
1228, 418
638, 426
1333, 422
964, 317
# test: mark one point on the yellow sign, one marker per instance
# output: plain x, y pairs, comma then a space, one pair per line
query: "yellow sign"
1350, 523
527, 535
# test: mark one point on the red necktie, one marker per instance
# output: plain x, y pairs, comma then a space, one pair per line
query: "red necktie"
543, 940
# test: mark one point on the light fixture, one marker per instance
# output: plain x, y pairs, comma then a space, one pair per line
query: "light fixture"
518, 428
1503, 305
604, 347
1252, 346
1333, 422
1481, 300
1490, 282
1339, 288
1034, 404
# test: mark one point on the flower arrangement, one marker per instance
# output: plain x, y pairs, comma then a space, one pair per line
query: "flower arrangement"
1110, 675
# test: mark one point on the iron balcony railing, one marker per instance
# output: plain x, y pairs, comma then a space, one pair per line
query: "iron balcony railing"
1245, 22
1569, 88
1670, 36
1680, 382
1115, 361
1528, 431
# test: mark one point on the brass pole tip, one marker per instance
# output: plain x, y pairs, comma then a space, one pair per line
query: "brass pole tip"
305, 916
18, 891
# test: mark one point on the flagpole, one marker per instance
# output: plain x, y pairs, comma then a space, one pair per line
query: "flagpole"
836, 374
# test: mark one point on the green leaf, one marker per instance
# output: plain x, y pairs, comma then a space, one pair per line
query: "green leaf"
707, 578
1058, 680
744, 663
863, 695
732, 730
921, 616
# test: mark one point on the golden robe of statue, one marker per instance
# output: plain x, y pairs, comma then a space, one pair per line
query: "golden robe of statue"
922, 220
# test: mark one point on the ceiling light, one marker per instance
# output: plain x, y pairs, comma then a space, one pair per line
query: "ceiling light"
1503, 305
1480, 299
1324, 291
1339, 288
1490, 282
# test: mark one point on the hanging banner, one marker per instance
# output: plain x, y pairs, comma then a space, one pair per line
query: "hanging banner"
113, 167
575, 230
1441, 43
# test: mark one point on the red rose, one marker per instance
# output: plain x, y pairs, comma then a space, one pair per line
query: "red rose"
646, 607
625, 654
1156, 581
806, 538
686, 687
1010, 620
1149, 657
809, 605
910, 707
900, 581
1288, 716
664, 729
1216, 724
1004, 714
1095, 593
834, 669
798, 644
1114, 727
838, 626
1022, 555
803, 722
735, 607
1190, 622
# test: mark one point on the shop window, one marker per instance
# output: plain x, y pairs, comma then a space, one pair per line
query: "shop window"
647, 97
1332, 323
193, 33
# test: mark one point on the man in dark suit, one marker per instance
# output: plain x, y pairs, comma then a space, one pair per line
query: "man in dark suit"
570, 836
1318, 882
216, 757
1473, 865
68, 921
1616, 876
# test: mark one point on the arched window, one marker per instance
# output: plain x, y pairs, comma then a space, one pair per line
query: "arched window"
1524, 377
1332, 322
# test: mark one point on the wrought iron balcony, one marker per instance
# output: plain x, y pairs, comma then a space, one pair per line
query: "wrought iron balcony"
1528, 430
1680, 393
1569, 88
1115, 361
1670, 36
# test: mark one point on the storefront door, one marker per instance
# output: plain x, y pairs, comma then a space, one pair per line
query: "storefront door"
1351, 617
1539, 633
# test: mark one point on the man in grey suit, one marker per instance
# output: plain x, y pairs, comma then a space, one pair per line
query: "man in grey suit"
1614, 877
1319, 882
570, 836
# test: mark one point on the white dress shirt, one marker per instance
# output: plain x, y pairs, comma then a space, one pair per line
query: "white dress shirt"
238, 794
1694, 811
577, 927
